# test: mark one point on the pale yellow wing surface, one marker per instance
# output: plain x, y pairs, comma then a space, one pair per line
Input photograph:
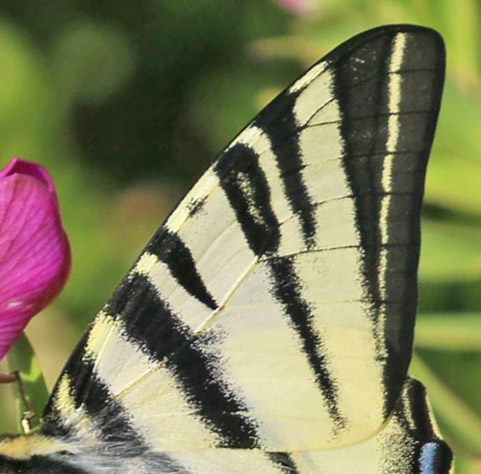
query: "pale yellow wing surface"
269, 322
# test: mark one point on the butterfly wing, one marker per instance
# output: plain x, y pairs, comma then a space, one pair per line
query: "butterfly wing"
273, 311
409, 443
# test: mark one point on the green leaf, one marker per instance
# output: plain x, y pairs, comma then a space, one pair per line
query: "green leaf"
464, 41
21, 357
449, 332
450, 251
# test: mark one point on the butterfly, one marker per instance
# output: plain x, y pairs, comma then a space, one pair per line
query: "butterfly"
267, 327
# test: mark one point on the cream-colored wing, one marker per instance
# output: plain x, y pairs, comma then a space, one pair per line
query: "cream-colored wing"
273, 312
409, 443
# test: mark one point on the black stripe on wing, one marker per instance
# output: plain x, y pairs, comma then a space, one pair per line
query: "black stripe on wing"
117, 436
287, 290
278, 122
361, 84
89, 393
170, 249
431, 454
154, 329
362, 89
150, 323
247, 190
39, 465
284, 461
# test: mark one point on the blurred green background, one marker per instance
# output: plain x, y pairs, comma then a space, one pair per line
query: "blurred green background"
126, 102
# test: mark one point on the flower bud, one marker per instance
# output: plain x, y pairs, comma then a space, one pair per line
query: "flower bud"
34, 250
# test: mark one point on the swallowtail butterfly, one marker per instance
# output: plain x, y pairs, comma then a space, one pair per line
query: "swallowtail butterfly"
267, 327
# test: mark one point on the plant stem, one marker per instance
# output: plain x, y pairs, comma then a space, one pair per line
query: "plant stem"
31, 393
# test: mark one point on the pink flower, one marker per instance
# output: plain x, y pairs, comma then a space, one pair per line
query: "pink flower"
298, 7
34, 250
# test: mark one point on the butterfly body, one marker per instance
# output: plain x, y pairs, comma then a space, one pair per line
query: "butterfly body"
267, 326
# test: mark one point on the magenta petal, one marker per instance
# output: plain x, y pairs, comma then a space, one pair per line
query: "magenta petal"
34, 250
17, 166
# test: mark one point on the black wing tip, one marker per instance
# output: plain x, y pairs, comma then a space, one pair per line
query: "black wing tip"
428, 38
393, 29
399, 28
349, 47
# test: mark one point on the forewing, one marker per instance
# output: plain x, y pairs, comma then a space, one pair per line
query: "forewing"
274, 309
